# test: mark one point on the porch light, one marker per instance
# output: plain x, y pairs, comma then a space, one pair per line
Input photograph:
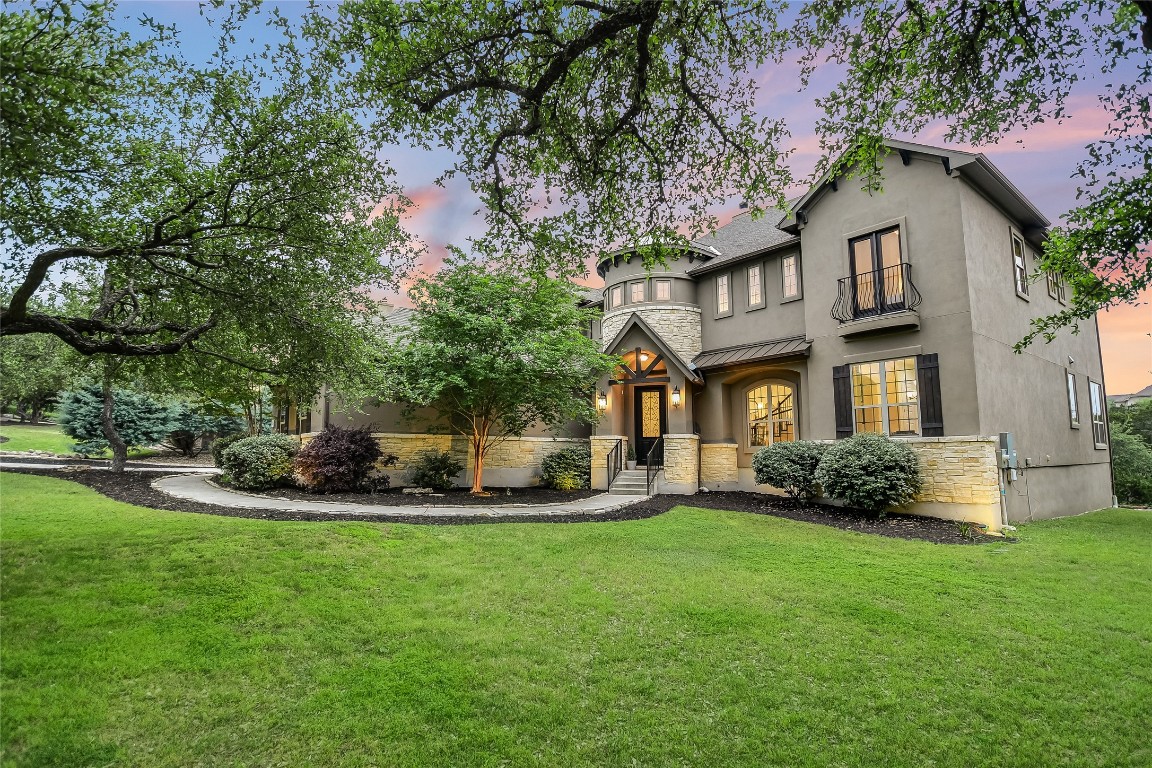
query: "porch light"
643, 357
675, 397
602, 401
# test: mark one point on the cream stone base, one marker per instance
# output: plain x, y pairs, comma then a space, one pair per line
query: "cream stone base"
718, 466
681, 464
513, 463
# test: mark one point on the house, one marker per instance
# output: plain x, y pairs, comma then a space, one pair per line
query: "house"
893, 311
1133, 399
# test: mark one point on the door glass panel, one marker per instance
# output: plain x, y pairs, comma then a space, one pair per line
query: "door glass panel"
864, 278
889, 249
650, 414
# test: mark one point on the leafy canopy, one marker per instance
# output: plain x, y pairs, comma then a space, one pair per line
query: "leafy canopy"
235, 209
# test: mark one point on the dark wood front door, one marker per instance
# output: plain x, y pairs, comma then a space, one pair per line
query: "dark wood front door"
651, 419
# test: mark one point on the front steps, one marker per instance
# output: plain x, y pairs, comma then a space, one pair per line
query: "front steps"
630, 482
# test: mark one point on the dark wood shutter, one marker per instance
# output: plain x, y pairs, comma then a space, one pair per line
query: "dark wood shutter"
931, 413
842, 394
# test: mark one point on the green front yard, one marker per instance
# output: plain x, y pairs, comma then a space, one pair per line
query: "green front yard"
48, 437
137, 637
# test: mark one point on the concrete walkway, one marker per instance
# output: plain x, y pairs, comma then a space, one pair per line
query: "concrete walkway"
199, 488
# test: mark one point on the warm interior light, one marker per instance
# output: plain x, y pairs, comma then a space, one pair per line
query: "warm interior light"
675, 396
602, 401
643, 357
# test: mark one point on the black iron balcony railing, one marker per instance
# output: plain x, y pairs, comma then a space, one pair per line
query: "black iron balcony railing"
879, 292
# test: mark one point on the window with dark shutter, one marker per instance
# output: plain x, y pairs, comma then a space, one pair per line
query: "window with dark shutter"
931, 412
842, 395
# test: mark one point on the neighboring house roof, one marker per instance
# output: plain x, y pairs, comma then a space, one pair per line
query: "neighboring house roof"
750, 353
1144, 394
635, 321
745, 235
592, 296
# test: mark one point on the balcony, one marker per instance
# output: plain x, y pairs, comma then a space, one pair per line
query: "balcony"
881, 300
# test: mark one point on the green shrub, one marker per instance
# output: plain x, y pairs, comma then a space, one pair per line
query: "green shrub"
337, 460
255, 463
870, 471
575, 461
435, 469
790, 467
567, 481
1131, 468
220, 443
139, 419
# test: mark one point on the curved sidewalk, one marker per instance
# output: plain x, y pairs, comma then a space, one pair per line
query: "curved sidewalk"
198, 488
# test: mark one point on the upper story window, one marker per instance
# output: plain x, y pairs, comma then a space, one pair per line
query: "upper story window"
1073, 406
723, 302
635, 292
1099, 426
1055, 286
886, 397
1019, 266
771, 414
616, 296
755, 288
877, 276
663, 290
790, 276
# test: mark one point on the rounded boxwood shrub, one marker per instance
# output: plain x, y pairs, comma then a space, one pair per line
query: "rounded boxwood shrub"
336, 460
791, 467
564, 465
256, 463
220, 443
435, 469
870, 471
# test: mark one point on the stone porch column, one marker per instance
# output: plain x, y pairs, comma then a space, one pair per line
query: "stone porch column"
718, 466
681, 464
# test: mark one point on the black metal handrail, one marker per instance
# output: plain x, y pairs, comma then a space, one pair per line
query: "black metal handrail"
654, 462
615, 463
878, 292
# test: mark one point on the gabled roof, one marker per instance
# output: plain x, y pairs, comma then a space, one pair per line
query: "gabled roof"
635, 321
752, 353
973, 166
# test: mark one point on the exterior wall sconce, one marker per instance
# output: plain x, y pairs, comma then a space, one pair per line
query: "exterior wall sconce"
675, 397
602, 401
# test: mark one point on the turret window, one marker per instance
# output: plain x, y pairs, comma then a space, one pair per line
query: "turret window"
663, 290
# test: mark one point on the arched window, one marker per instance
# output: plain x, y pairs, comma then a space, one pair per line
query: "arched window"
771, 414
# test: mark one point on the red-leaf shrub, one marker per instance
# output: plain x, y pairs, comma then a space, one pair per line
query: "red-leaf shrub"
337, 460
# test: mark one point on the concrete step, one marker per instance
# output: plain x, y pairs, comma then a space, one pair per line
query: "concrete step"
631, 482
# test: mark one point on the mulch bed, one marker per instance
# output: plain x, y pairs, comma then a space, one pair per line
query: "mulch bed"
455, 497
133, 488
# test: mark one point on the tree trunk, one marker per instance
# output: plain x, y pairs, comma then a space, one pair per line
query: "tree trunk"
115, 442
478, 441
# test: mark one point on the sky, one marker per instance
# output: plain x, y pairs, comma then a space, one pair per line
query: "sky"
1039, 162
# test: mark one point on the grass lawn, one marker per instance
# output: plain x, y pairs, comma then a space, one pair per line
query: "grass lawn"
137, 637
48, 437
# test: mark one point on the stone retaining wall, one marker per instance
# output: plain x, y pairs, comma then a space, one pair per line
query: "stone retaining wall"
681, 464
718, 466
514, 462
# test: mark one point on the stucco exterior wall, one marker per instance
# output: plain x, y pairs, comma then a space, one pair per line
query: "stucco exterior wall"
776, 318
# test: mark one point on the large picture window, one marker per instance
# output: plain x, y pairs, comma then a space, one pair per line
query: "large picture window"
771, 414
886, 397
1096, 402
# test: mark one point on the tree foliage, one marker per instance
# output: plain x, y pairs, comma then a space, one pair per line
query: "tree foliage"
140, 420
495, 353
34, 370
234, 210
581, 124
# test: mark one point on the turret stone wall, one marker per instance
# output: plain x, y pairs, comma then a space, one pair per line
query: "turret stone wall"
677, 324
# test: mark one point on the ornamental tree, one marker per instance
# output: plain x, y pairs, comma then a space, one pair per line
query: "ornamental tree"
33, 371
494, 352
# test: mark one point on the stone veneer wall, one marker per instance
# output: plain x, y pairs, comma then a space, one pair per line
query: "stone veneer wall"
514, 462
601, 446
961, 478
681, 464
677, 324
718, 466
